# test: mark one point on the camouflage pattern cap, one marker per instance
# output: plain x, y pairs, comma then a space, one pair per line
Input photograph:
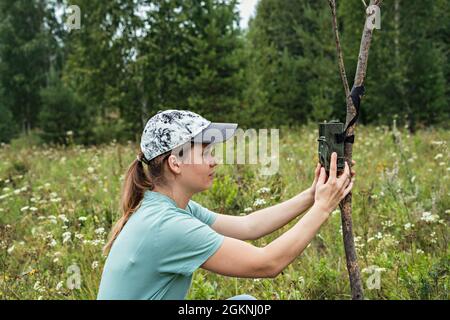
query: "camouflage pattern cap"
169, 129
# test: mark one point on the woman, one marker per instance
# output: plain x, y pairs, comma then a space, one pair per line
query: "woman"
163, 236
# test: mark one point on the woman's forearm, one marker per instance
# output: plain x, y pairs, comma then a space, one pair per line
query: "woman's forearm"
267, 220
283, 250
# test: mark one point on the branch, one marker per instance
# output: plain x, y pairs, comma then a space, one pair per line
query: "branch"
346, 204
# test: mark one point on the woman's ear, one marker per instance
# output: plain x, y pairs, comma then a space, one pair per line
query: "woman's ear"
174, 164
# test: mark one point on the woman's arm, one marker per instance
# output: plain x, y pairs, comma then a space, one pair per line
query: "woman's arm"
264, 221
267, 220
236, 258
241, 259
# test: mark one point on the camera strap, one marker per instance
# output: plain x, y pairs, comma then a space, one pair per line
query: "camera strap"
355, 95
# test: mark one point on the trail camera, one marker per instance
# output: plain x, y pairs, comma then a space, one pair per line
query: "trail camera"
330, 140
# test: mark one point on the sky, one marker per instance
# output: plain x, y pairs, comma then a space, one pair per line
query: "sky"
247, 9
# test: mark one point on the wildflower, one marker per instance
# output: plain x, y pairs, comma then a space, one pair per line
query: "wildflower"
259, 202
37, 286
428, 217
52, 242
82, 218
24, 208
90, 170
264, 190
66, 236
52, 219
438, 156
100, 230
63, 218
413, 179
379, 235
79, 235
33, 209
10, 249
442, 163
69, 133
419, 251
94, 265
249, 209
387, 223
59, 286
408, 226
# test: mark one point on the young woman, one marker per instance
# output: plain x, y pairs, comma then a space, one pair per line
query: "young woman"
163, 236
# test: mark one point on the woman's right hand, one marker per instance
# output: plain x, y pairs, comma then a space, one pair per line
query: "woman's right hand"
329, 192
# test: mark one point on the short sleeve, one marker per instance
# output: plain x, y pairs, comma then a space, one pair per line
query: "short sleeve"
203, 214
185, 243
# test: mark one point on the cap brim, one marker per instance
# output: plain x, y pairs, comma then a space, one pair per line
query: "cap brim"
216, 132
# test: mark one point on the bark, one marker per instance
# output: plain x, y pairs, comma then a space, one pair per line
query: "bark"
346, 204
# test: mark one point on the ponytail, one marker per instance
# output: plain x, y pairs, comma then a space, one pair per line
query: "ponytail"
136, 182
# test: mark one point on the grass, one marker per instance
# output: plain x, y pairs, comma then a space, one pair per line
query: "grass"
57, 205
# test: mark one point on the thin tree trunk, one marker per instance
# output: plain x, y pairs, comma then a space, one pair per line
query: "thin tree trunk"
346, 203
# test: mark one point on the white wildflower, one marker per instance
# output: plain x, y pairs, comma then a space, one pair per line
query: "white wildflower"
82, 218
259, 202
438, 156
100, 230
25, 208
419, 251
90, 170
63, 218
10, 249
66, 236
249, 209
408, 226
428, 217
59, 286
94, 265
264, 190
52, 242
79, 235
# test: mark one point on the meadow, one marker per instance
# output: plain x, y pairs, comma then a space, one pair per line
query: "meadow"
57, 205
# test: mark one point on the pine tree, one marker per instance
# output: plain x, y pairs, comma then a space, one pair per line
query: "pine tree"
25, 43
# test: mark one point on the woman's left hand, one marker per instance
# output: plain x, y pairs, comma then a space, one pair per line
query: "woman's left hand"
312, 189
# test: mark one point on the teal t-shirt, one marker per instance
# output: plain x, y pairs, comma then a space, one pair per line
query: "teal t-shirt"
158, 249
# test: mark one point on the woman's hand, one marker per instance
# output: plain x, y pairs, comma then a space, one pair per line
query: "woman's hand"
312, 189
329, 192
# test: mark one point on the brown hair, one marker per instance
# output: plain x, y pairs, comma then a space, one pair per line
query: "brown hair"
137, 181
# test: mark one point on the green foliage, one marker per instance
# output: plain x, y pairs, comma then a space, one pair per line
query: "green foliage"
63, 114
25, 55
401, 212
